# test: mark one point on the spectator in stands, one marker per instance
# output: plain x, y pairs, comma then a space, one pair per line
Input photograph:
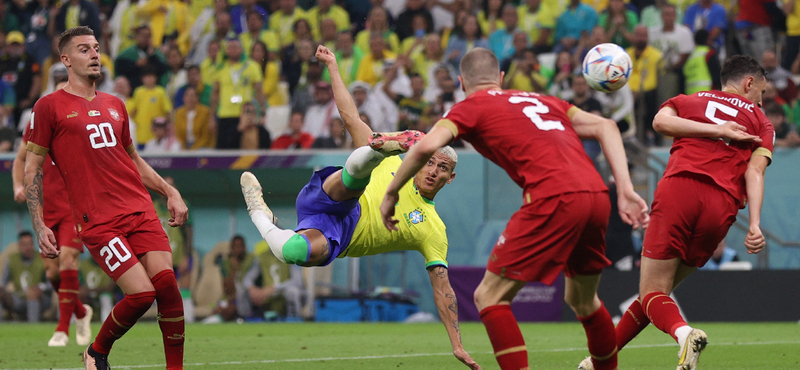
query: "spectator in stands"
201, 87
782, 78
327, 9
676, 42
275, 96
792, 44
647, 65
490, 16
49, 65
169, 22
378, 25
283, 21
96, 288
501, 41
576, 22
255, 32
193, 122
349, 58
296, 138
296, 63
404, 25
176, 76
279, 287
753, 26
8, 100
240, 15
181, 241
560, 85
618, 106
24, 286
9, 20
8, 137
538, 21
209, 65
651, 14
163, 141
448, 96
239, 271
722, 255
413, 110
701, 67
425, 63
524, 74
132, 61
303, 95
371, 68
222, 32
464, 39
785, 134
771, 96
441, 78
520, 42
122, 89
582, 98
251, 127
20, 70
711, 16
368, 105
319, 114
414, 43
148, 102
618, 22
619, 235
236, 82
328, 33
77, 13
37, 41
337, 139
302, 31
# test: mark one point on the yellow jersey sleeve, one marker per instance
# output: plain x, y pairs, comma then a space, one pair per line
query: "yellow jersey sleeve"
434, 249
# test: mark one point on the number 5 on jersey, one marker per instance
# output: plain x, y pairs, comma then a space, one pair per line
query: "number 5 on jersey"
102, 135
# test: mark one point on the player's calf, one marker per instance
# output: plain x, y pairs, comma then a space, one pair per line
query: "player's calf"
170, 317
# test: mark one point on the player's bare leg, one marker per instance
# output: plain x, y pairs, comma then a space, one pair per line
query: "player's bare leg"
170, 305
493, 299
139, 296
658, 279
581, 295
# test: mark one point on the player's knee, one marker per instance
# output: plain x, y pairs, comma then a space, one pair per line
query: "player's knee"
581, 306
67, 261
294, 251
483, 298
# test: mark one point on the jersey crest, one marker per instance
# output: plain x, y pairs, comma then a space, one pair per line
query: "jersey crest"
416, 216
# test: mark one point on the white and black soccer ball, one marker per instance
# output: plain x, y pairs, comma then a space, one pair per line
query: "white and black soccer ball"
607, 67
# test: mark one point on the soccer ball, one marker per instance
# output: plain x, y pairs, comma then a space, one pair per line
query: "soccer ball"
607, 67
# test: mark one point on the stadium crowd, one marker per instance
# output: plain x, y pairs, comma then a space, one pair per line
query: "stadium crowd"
241, 74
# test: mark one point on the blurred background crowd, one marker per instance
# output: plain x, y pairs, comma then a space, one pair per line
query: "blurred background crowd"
241, 74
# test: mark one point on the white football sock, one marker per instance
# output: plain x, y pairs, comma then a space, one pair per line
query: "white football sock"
362, 161
274, 236
682, 333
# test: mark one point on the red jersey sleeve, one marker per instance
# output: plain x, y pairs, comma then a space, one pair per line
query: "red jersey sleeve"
767, 135
461, 119
675, 103
125, 136
41, 127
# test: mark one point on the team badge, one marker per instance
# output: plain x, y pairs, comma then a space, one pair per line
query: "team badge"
415, 217
114, 114
94, 113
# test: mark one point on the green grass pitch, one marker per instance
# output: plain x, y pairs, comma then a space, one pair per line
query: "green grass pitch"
395, 346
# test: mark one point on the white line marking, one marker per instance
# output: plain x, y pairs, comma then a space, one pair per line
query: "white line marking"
572, 349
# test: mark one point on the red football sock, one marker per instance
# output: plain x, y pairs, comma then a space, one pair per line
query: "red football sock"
122, 317
507, 341
67, 297
633, 322
663, 312
170, 317
602, 339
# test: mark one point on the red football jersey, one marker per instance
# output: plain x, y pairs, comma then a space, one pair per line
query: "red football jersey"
88, 140
725, 163
530, 136
55, 202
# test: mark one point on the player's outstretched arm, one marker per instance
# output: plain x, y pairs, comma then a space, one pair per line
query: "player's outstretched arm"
754, 181
446, 302
415, 159
359, 130
33, 193
632, 208
667, 122
153, 181
18, 173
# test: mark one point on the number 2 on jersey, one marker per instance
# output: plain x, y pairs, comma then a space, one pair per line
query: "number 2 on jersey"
533, 112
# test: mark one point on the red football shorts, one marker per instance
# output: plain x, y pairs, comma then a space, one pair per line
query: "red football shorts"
118, 244
66, 235
565, 232
690, 216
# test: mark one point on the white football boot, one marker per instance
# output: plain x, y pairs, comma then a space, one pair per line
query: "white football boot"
59, 339
690, 350
83, 327
586, 364
253, 196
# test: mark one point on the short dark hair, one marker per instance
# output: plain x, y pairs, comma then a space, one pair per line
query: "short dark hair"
67, 36
701, 37
738, 67
298, 111
192, 66
237, 237
149, 70
23, 234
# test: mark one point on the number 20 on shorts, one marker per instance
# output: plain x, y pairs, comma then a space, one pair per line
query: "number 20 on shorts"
115, 249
